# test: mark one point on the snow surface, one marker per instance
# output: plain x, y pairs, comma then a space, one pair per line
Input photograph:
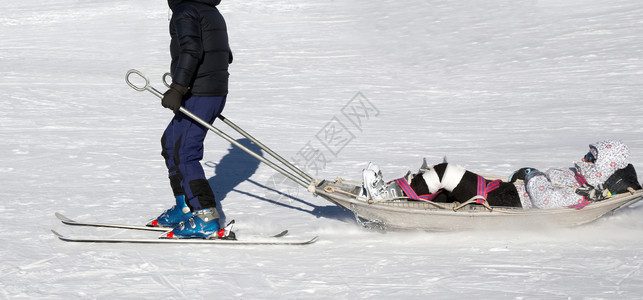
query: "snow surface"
496, 85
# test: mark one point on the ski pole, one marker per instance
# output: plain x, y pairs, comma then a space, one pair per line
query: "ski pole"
252, 139
148, 87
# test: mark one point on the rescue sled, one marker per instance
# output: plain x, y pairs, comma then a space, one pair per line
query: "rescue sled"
410, 214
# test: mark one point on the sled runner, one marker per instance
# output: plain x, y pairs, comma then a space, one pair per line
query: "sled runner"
411, 214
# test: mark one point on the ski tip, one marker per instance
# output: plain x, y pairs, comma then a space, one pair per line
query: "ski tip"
58, 235
63, 218
313, 240
283, 233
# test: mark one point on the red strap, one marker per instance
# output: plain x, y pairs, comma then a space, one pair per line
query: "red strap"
581, 181
411, 193
484, 189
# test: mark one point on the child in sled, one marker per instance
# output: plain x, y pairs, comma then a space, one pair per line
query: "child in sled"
603, 171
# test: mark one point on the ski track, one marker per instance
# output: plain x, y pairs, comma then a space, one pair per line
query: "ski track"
495, 86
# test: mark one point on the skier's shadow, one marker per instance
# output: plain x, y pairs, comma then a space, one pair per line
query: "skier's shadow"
234, 168
238, 166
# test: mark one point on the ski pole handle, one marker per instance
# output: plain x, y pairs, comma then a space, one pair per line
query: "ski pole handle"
147, 85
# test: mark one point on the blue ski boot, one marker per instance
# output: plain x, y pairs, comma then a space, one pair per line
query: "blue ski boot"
173, 216
204, 224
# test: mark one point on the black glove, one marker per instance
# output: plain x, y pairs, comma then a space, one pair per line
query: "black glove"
520, 174
173, 97
592, 193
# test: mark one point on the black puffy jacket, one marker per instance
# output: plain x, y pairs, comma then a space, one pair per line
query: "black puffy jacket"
199, 47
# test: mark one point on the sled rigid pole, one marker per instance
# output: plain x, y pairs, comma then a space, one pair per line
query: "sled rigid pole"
264, 147
248, 136
305, 183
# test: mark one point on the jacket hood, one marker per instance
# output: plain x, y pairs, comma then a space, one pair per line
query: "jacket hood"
611, 155
173, 3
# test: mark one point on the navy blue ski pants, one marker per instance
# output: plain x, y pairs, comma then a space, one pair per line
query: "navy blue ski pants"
182, 144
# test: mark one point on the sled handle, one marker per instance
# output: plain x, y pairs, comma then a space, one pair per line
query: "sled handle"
300, 181
222, 118
165, 76
146, 87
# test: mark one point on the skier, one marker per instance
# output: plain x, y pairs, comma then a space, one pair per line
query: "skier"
200, 57
603, 171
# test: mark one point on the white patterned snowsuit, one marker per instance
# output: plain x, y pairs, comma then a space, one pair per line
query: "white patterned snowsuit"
556, 187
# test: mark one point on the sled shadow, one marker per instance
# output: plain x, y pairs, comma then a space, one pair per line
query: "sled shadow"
238, 166
286, 198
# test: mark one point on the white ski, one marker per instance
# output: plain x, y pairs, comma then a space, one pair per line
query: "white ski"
68, 221
183, 241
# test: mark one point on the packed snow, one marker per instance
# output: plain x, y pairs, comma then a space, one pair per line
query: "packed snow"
493, 85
